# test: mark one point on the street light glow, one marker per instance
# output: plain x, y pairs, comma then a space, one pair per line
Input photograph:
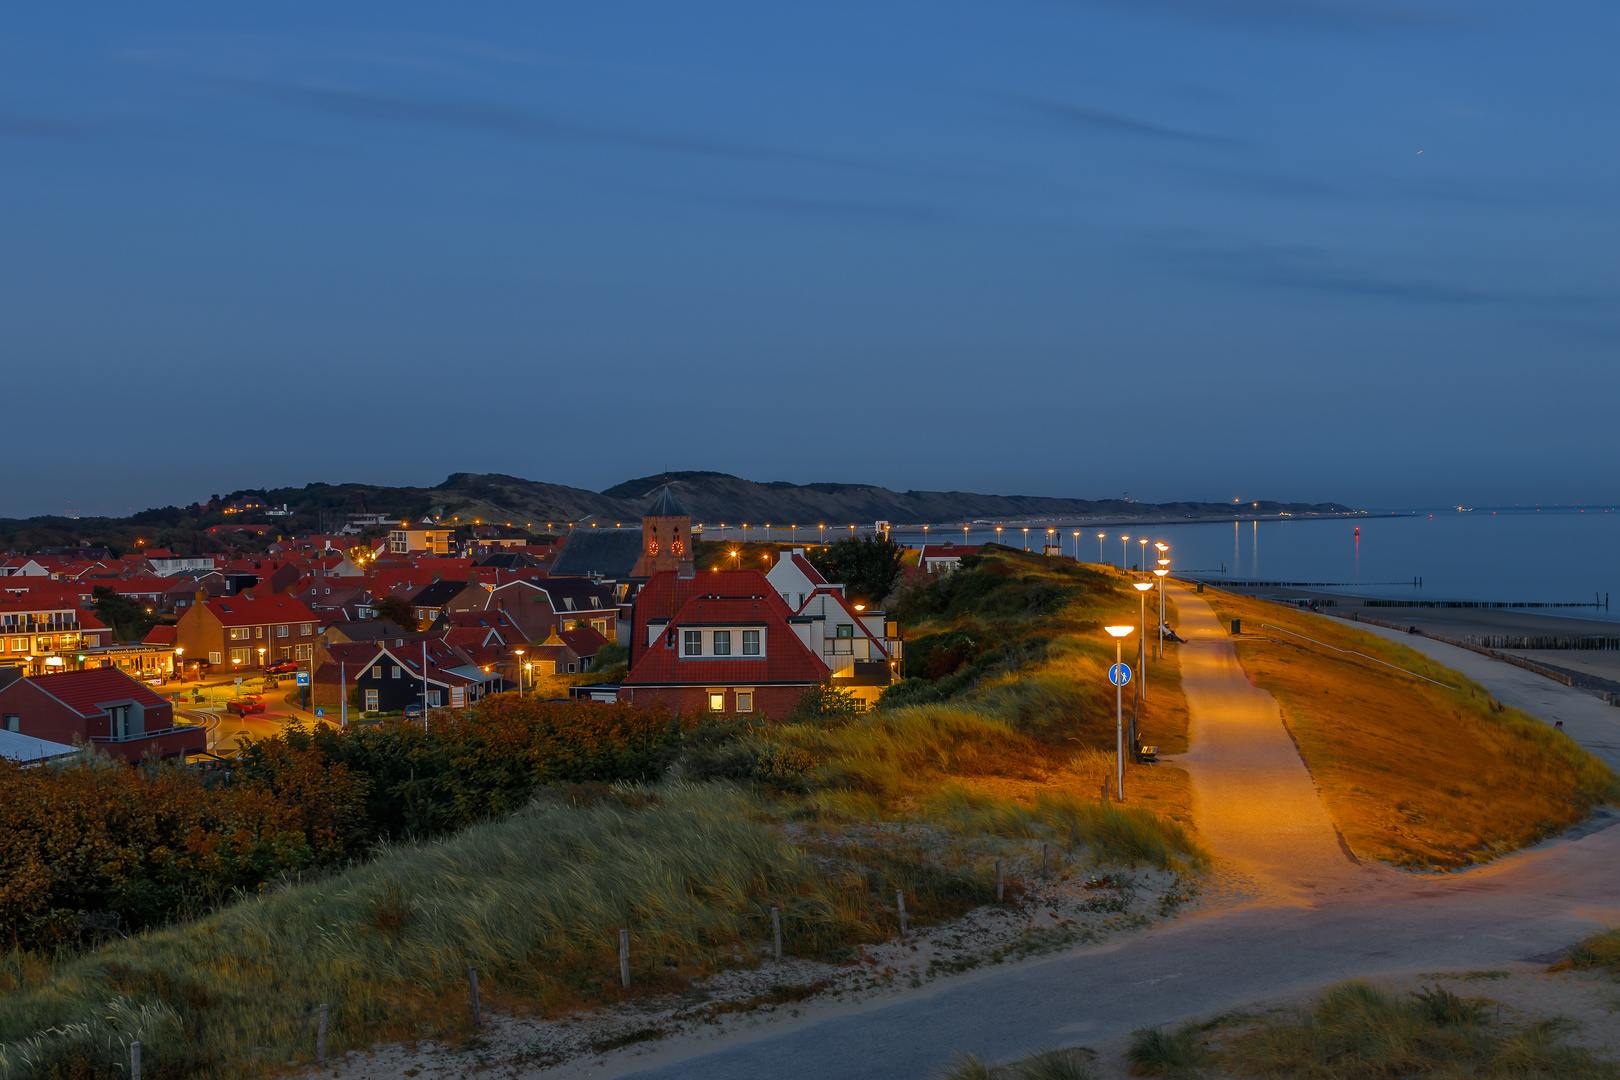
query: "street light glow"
1119, 631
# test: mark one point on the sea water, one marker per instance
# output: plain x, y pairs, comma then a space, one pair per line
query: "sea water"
1550, 555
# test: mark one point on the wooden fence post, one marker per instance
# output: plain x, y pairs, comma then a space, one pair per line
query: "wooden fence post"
134, 1061
900, 902
624, 957
776, 932
477, 1011
320, 1039
1000, 886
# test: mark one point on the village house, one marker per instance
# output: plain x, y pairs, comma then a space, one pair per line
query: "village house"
39, 634
103, 706
240, 633
719, 642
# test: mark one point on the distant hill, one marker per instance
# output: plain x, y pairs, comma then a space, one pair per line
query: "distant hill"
535, 506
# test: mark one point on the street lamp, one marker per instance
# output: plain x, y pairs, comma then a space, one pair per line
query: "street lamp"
998, 534
1164, 561
1077, 545
519, 653
1143, 588
1026, 537
1124, 556
823, 528
1049, 534
1117, 633
1160, 573
1100, 538
1143, 563
180, 661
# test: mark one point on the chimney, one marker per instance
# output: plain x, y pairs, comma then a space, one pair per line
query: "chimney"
688, 570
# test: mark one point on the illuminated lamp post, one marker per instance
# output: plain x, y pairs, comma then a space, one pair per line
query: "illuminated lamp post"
1143, 588
519, 653
1026, 537
1124, 553
1118, 633
1160, 574
823, 528
1050, 534
998, 534
1164, 561
1100, 538
180, 661
1143, 564
1077, 545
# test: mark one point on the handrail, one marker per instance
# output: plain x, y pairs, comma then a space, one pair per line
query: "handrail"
1353, 652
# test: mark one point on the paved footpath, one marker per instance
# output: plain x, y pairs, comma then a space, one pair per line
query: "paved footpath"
1304, 914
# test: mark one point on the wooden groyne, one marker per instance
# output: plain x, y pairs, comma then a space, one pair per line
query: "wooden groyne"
1522, 641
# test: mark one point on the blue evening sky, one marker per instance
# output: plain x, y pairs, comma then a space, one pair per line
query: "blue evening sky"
1296, 249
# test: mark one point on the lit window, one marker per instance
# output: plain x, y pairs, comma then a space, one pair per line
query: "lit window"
308, 628
745, 701
694, 642
750, 642
722, 643
717, 701
376, 672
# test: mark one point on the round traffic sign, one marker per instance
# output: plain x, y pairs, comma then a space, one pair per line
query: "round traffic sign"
1119, 674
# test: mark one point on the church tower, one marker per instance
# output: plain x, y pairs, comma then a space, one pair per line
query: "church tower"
666, 536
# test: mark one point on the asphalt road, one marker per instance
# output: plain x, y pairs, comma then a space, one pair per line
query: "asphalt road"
1298, 915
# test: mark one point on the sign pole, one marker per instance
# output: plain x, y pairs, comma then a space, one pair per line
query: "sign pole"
1119, 728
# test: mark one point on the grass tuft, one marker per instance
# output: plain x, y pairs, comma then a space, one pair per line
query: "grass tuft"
1601, 950
1067, 1064
1160, 1051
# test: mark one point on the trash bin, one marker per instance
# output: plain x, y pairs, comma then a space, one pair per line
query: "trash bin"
1200, 586
1237, 626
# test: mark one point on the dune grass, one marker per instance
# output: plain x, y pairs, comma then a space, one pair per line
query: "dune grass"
1352, 1031
1358, 1031
1414, 774
1042, 1065
535, 902
1600, 951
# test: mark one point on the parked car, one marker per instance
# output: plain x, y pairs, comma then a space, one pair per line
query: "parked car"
244, 706
283, 668
413, 712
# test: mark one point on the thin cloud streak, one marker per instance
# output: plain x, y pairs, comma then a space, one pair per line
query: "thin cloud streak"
1113, 123
513, 122
1331, 16
1311, 268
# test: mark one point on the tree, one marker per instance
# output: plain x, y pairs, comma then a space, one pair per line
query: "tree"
868, 567
128, 619
396, 609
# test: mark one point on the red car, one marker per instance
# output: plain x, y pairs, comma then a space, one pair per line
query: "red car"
282, 669
244, 706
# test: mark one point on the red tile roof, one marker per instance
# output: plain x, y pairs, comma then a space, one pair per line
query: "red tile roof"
81, 690
246, 610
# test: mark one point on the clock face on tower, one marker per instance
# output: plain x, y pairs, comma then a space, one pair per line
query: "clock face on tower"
652, 547
675, 547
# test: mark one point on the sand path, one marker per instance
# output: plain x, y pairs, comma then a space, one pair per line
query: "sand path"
1253, 798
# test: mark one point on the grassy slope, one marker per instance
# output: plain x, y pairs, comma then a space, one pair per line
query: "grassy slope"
1413, 774
1035, 715
535, 902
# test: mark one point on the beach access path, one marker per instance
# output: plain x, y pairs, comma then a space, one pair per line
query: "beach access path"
1285, 916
